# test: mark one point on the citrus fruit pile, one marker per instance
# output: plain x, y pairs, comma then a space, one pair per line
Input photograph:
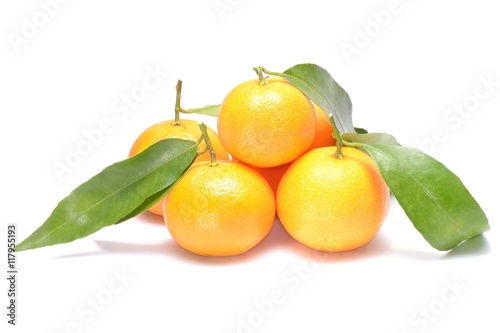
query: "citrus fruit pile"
285, 146
284, 162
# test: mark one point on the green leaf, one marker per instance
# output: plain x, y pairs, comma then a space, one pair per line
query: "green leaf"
117, 193
317, 84
435, 199
371, 138
360, 130
209, 110
147, 203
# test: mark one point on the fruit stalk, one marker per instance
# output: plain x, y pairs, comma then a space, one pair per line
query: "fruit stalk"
208, 142
178, 109
337, 136
268, 72
258, 70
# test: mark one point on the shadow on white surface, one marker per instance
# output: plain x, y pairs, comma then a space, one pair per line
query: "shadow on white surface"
277, 240
379, 245
476, 246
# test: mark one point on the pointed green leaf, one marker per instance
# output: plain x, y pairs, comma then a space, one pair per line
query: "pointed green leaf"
435, 199
316, 83
149, 202
371, 138
120, 191
146, 204
208, 110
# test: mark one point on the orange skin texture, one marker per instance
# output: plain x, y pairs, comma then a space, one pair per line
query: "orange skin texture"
221, 210
324, 130
266, 125
272, 175
332, 204
187, 130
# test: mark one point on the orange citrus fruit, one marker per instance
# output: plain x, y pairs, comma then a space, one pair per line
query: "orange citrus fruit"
272, 175
332, 204
266, 125
187, 130
220, 210
324, 130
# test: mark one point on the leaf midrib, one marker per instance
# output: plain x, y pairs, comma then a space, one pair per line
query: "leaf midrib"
73, 218
318, 94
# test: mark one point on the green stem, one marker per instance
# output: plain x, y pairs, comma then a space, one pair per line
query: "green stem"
352, 144
268, 72
338, 138
262, 79
208, 142
178, 108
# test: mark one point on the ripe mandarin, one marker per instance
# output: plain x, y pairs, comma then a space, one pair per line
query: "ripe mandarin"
332, 204
266, 125
324, 130
220, 210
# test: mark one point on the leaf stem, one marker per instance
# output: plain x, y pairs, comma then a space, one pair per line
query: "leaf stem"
208, 142
352, 144
338, 138
268, 72
178, 108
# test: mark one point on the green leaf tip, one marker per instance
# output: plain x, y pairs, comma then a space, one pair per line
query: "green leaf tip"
119, 192
436, 201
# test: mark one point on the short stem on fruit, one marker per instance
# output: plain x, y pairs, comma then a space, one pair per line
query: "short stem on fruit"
268, 72
262, 79
178, 89
338, 138
208, 142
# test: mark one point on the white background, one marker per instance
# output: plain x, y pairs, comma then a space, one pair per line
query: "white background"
70, 73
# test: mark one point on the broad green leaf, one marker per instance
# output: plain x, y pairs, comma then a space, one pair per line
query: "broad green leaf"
119, 192
435, 199
371, 138
316, 83
209, 110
